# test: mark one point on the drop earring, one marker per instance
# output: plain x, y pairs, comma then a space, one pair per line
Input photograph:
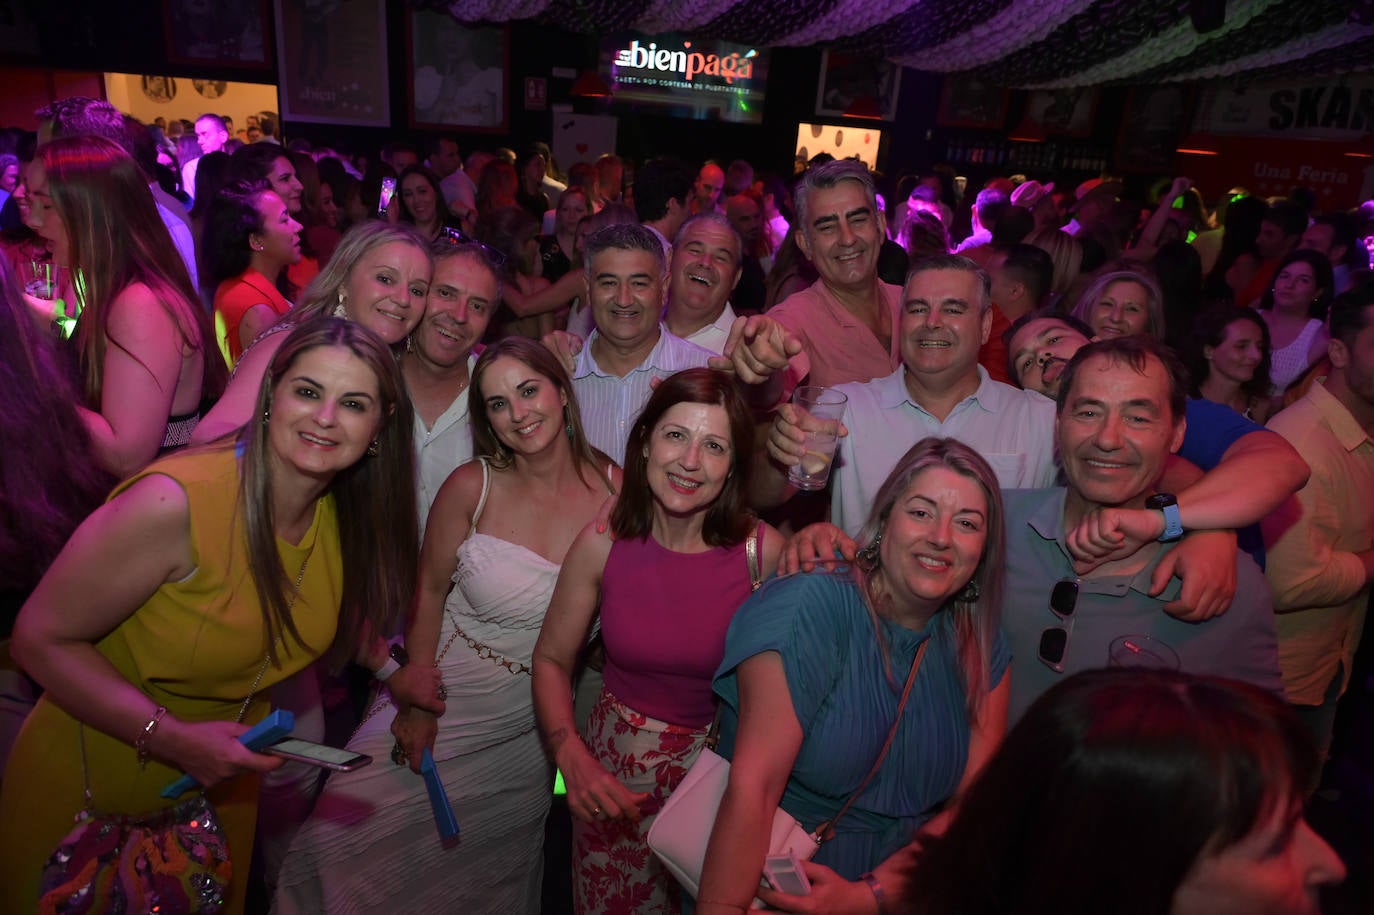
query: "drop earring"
867, 558
373, 450
339, 310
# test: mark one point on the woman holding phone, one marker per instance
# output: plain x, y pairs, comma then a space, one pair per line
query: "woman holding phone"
206, 579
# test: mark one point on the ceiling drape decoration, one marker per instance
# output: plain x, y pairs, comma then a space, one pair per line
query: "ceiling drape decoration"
1013, 43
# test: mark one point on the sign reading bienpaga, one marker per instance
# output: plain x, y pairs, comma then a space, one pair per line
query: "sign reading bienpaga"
686, 76
1339, 109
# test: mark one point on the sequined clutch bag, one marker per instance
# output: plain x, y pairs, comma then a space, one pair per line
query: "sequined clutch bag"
174, 862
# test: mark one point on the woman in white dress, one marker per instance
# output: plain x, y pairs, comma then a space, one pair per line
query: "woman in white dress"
497, 534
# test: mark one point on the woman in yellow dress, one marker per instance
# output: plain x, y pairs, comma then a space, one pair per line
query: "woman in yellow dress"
205, 579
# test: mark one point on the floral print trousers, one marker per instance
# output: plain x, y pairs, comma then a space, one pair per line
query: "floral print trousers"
614, 872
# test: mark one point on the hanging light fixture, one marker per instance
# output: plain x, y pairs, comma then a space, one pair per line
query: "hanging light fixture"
589, 84
1198, 144
866, 107
1363, 148
1029, 131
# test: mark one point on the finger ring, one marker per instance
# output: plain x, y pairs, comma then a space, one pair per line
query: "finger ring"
398, 754
596, 811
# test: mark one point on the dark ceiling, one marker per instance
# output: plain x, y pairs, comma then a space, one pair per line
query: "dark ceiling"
1013, 43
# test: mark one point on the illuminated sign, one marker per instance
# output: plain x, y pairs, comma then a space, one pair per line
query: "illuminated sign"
682, 76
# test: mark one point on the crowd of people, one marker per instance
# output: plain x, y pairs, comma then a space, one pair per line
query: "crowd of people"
1089, 574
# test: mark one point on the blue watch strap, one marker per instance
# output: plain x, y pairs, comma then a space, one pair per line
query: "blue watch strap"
1173, 523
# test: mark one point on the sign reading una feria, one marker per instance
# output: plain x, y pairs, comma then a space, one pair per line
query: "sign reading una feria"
1339, 109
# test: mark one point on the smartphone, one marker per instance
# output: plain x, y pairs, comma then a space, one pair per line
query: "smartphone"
317, 754
388, 191
784, 874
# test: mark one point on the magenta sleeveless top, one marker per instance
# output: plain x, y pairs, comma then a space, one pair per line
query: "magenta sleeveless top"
663, 621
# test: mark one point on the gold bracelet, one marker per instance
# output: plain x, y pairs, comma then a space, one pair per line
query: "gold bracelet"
146, 735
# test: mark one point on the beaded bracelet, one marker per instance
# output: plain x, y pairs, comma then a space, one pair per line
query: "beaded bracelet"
146, 735
876, 886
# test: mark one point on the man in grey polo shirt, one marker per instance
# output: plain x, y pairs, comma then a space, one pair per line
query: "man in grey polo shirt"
939, 390
1119, 416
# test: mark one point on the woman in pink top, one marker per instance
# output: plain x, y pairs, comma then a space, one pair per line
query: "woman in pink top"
667, 579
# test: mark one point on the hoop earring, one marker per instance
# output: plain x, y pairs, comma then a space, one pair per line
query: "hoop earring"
867, 558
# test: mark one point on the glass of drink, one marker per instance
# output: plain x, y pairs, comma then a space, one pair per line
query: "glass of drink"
40, 279
1141, 651
822, 409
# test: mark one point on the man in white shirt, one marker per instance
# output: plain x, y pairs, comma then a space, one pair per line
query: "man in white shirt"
211, 135
939, 389
704, 270
613, 374
464, 293
630, 348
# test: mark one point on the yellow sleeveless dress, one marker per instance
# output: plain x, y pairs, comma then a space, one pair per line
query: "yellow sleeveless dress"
195, 646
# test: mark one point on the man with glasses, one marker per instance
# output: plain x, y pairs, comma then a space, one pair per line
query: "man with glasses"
1119, 415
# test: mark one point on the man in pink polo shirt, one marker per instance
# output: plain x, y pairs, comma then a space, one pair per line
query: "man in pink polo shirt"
847, 320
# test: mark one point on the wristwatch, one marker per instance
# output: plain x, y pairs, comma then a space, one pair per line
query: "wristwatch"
1166, 503
397, 659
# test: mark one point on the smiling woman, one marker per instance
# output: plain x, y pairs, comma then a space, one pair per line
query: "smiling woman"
497, 537
207, 579
811, 684
1122, 302
666, 588
378, 277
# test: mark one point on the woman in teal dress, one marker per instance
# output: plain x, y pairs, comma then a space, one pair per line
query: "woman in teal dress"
812, 680
205, 579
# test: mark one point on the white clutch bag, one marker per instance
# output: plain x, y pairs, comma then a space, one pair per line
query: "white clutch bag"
682, 828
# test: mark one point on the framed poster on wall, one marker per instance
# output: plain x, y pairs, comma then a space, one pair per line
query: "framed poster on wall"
968, 102
1068, 112
851, 81
459, 73
1153, 124
335, 69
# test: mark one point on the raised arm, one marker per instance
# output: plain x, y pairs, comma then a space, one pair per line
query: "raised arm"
235, 406
113, 563
1255, 474
593, 793
551, 298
